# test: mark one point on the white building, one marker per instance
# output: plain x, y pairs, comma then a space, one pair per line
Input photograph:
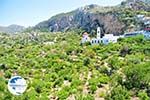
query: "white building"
98, 39
147, 35
140, 17
85, 38
109, 38
146, 32
95, 41
98, 33
131, 34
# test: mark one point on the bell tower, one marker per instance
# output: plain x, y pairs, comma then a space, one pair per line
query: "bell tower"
98, 32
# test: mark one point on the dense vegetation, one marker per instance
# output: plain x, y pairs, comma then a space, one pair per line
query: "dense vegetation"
68, 70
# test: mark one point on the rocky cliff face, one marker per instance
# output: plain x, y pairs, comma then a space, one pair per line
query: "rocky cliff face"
89, 18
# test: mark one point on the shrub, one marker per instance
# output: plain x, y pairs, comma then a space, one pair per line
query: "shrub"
3, 85
38, 89
7, 74
103, 79
84, 97
104, 70
118, 93
124, 51
134, 59
3, 66
137, 76
147, 51
93, 88
102, 94
31, 94
86, 61
114, 63
143, 95
62, 95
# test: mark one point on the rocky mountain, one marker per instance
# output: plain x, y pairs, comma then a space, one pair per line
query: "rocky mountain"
137, 4
12, 29
87, 18
91, 16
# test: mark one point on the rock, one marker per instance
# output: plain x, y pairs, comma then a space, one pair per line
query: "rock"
48, 43
84, 18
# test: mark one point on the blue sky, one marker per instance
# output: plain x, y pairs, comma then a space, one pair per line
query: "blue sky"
31, 12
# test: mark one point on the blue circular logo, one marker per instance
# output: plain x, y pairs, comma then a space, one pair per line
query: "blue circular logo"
17, 85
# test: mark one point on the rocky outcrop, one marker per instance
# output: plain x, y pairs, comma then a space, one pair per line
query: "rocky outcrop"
83, 18
91, 16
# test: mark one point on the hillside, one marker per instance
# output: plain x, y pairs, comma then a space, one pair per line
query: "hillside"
66, 70
58, 66
89, 17
137, 4
12, 29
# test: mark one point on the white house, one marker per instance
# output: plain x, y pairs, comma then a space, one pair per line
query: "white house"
85, 38
109, 38
146, 32
140, 17
147, 35
131, 34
